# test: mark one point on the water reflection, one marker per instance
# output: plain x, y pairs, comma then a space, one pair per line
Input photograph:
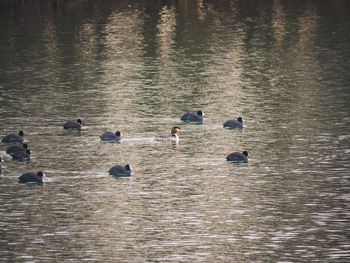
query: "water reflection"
137, 67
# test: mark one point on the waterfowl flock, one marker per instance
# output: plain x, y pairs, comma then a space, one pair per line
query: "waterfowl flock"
19, 151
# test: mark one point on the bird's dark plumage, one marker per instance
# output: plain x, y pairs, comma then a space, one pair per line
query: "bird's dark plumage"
21, 155
193, 116
232, 124
110, 136
31, 178
13, 138
73, 125
16, 148
120, 171
238, 157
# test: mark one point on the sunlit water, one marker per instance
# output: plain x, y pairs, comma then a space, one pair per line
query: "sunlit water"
137, 67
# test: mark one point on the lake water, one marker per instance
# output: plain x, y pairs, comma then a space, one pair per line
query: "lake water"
136, 67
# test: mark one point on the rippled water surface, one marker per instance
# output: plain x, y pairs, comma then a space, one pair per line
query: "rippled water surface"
136, 67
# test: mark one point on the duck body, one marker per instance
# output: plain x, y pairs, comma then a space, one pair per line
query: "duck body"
193, 116
111, 137
120, 171
17, 148
73, 125
13, 138
21, 155
238, 157
31, 178
168, 137
232, 124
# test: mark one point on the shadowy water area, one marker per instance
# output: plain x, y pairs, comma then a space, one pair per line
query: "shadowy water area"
137, 67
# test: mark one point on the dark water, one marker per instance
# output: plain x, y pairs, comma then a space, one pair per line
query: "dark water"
136, 67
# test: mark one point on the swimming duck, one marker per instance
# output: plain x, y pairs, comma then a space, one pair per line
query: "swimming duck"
238, 157
13, 138
31, 178
110, 136
193, 116
21, 155
120, 171
73, 125
232, 124
16, 148
168, 137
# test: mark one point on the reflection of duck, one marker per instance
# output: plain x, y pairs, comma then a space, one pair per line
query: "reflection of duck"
21, 155
16, 148
234, 123
238, 157
73, 125
168, 137
110, 136
193, 116
13, 138
31, 178
120, 171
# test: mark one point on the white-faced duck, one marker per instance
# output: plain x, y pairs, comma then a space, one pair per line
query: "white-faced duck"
13, 138
120, 171
169, 137
232, 124
111, 137
31, 178
238, 157
73, 125
193, 116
